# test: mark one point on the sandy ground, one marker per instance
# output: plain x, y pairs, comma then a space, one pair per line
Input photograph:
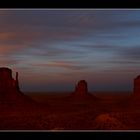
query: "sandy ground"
61, 111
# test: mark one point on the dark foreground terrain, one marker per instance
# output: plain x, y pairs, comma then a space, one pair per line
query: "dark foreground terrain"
62, 111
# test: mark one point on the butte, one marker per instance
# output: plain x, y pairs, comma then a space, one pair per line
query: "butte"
10, 93
81, 91
135, 97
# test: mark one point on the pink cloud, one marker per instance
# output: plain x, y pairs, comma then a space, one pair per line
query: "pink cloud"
71, 65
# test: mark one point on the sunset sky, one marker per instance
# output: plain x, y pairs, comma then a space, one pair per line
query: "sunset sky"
53, 49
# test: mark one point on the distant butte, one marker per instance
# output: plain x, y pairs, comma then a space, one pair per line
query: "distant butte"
81, 90
135, 97
136, 89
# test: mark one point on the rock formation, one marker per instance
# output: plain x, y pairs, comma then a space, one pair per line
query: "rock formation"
81, 88
9, 88
136, 90
7, 83
135, 97
81, 91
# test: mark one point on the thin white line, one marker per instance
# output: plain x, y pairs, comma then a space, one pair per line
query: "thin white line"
71, 9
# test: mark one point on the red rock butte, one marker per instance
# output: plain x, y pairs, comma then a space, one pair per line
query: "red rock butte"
81, 89
7, 83
9, 88
135, 98
136, 90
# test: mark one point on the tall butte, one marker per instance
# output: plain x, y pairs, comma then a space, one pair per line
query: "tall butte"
81, 90
9, 87
7, 83
135, 97
136, 89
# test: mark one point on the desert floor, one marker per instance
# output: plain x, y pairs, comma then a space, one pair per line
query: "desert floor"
61, 111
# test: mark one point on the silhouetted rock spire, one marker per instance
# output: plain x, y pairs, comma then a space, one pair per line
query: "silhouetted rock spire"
136, 89
81, 91
81, 88
135, 97
9, 88
7, 83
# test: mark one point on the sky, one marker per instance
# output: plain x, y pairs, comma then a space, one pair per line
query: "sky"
53, 49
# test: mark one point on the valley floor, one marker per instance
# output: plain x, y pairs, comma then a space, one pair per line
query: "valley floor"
64, 112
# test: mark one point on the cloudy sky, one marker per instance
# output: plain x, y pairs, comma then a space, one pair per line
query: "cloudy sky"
53, 49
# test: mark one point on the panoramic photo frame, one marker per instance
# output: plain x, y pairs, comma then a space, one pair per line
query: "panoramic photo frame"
69, 69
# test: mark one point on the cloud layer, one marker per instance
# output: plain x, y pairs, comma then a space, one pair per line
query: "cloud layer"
59, 47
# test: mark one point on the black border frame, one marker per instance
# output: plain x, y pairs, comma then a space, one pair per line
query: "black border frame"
71, 4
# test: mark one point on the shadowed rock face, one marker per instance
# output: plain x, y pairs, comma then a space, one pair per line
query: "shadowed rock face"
135, 97
136, 89
7, 83
9, 88
81, 88
81, 91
